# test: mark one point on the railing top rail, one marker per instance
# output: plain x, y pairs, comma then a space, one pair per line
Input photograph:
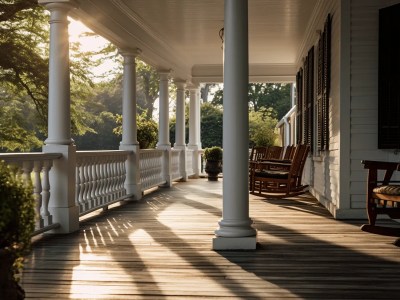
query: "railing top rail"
29, 156
102, 153
151, 150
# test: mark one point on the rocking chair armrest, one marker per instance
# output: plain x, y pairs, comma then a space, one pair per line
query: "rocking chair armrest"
381, 165
276, 160
270, 164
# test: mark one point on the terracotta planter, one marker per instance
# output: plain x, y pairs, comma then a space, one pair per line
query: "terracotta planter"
213, 168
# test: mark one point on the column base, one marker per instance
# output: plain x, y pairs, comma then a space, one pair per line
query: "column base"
237, 243
68, 217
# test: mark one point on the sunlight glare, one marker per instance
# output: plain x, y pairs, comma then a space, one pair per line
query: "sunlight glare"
76, 30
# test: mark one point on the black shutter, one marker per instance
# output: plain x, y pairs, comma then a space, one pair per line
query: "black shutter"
389, 78
323, 88
299, 106
310, 98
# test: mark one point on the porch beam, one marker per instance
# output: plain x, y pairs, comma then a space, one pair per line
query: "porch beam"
235, 231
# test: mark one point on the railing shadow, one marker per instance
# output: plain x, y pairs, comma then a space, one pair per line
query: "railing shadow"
139, 249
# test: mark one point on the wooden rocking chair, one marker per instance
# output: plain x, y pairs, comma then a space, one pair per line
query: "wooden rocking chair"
280, 179
383, 196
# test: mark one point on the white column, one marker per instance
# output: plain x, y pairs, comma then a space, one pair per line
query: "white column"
163, 127
235, 230
180, 130
180, 115
62, 176
163, 120
194, 128
129, 125
59, 112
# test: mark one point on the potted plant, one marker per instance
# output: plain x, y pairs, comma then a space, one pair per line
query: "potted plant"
17, 223
213, 158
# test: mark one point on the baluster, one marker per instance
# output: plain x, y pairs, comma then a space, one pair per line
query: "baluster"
85, 186
46, 193
123, 175
89, 173
37, 193
79, 189
96, 182
103, 180
26, 172
107, 178
114, 177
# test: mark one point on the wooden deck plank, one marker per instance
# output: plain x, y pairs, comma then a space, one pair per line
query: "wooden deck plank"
160, 248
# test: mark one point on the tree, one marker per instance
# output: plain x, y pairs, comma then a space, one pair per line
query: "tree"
23, 63
264, 95
262, 128
148, 88
211, 125
147, 130
24, 40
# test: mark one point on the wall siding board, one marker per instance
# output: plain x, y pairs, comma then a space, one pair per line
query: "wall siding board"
352, 104
364, 94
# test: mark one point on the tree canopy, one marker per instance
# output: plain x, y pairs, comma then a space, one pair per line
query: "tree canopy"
264, 95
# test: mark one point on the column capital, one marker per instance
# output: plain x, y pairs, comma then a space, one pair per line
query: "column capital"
180, 84
193, 86
59, 4
164, 74
127, 52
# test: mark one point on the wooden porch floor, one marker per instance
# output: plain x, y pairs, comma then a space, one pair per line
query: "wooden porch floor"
160, 248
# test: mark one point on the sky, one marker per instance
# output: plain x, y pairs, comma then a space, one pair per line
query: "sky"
89, 43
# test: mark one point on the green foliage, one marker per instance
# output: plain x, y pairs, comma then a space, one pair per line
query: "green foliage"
262, 128
270, 95
147, 130
15, 134
24, 76
103, 138
264, 95
147, 88
213, 153
211, 125
24, 61
17, 221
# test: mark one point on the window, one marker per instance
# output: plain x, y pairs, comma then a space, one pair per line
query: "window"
389, 78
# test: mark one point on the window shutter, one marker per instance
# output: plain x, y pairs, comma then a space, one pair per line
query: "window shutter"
323, 88
389, 78
299, 105
310, 98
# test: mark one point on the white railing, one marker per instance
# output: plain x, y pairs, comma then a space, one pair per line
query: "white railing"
35, 169
150, 166
100, 177
175, 164
189, 162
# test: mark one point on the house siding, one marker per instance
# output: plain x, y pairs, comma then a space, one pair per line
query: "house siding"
336, 177
364, 97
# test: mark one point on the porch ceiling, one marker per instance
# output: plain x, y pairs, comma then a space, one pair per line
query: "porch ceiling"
182, 35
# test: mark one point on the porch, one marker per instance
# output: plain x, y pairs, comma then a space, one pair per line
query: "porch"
160, 248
